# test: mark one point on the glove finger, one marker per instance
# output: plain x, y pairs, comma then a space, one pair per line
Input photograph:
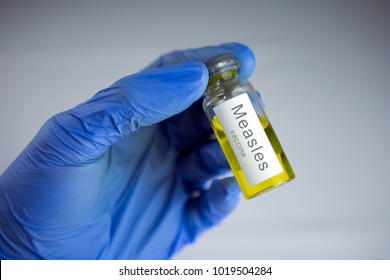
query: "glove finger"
189, 128
203, 164
243, 54
211, 207
84, 133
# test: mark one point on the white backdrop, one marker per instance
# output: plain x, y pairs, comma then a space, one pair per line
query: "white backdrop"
323, 69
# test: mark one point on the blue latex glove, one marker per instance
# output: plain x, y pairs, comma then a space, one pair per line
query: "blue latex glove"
115, 177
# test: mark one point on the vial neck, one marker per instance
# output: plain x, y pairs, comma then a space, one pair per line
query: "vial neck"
221, 79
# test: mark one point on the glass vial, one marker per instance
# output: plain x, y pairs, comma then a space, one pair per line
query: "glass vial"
243, 130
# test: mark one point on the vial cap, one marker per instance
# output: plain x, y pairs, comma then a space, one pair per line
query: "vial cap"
218, 59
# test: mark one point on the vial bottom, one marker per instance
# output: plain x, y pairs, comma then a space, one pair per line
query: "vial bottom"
266, 185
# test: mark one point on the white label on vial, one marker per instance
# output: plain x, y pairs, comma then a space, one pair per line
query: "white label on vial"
248, 140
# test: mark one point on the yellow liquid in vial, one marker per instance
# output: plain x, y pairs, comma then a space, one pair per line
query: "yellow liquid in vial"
259, 188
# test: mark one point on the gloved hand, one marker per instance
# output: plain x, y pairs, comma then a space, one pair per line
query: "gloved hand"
123, 175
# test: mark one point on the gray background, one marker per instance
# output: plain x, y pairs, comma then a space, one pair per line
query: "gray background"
323, 68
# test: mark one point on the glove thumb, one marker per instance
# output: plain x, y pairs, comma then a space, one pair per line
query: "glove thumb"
157, 94
82, 134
